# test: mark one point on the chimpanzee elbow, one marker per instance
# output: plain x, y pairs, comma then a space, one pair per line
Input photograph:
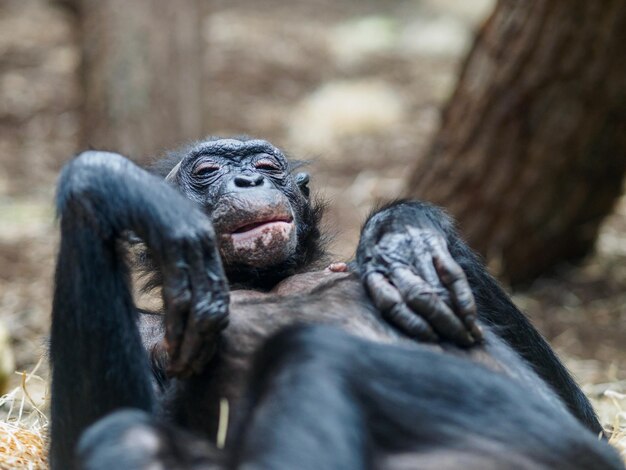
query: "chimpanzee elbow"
86, 188
84, 177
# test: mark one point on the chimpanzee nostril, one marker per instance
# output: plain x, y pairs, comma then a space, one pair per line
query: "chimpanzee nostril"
246, 181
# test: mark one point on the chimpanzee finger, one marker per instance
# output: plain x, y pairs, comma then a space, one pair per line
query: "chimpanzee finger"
185, 333
421, 246
177, 301
389, 302
207, 315
420, 297
454, 278
382, 293
190, 350
196, 348
218, 290
411, 324
211, 312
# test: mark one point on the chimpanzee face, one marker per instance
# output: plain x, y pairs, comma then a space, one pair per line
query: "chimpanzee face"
257, 206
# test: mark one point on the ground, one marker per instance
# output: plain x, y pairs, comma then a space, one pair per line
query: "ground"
354, 86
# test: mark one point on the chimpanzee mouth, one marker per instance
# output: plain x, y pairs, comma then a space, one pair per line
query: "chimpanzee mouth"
262, 223
258, 234
268, 234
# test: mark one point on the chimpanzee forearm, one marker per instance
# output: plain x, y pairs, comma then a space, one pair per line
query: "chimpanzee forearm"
111, 194
98, 362
494, 306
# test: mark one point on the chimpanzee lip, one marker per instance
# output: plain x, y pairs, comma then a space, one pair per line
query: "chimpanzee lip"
262, 222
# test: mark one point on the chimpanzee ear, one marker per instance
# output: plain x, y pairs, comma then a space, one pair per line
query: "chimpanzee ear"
302, 180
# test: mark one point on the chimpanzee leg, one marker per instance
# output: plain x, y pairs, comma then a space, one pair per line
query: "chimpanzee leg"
320, 398
98, 363
300, 411
135, 440
494, 306
97, 357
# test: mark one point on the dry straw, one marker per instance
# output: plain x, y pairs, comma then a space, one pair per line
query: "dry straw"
23, 428
618, 435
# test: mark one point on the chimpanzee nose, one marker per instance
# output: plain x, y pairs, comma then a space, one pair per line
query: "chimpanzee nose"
248, 181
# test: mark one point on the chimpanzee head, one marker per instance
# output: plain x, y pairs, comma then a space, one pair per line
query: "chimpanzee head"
266, 225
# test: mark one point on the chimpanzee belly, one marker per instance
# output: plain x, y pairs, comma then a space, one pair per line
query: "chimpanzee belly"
330, 299
313, 298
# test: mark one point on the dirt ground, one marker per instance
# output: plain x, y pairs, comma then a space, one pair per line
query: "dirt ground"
354, 86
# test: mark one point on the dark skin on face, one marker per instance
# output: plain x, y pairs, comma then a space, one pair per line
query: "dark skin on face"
258, 207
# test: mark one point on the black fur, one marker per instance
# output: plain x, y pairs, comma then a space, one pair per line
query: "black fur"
317, 397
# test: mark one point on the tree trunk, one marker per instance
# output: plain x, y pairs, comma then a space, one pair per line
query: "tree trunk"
531, 152
142, 74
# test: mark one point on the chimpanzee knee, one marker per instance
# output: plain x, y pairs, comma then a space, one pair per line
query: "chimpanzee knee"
133, 440
317, 359
124, 439
299, 373
309, 344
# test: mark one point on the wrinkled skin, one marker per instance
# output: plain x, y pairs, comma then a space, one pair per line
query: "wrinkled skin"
416, 284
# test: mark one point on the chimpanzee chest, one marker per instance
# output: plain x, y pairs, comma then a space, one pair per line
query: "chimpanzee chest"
314, 298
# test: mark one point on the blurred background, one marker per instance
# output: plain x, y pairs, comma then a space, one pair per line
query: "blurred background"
510, 114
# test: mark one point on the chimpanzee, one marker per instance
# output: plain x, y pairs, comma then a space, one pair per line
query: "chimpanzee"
300, 367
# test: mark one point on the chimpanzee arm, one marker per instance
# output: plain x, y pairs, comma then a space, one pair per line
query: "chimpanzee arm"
408, 219
96, 353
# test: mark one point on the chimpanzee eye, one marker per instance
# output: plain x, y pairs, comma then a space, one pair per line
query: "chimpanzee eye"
205, 169
266, 164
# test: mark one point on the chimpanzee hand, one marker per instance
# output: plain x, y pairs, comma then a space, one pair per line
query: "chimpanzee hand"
196, 298
416, 284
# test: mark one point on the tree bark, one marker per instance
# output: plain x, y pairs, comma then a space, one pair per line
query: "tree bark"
531, 152
142, 74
